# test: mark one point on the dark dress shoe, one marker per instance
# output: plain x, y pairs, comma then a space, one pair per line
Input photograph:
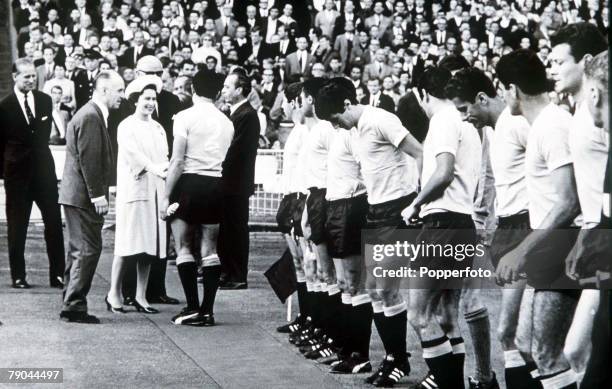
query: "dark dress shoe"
143, 309
234, 286
129, 301
57, 282
200, 320
21, 283
163, 300
79, 317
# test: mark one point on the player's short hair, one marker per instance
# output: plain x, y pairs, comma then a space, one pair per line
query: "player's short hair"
434, 81
207, 84
330, 98
467, 83
583, 38
292, 91
313, 85
454, 62
524, 69
597, 69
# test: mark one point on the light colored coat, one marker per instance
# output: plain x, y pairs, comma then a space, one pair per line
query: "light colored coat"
139, 192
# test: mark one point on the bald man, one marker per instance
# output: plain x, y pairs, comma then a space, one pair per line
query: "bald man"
84, 192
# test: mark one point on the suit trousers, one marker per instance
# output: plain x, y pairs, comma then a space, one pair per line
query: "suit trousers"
233, 246
18, 208
84, 248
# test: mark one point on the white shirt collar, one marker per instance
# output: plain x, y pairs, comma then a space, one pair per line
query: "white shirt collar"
234, 107
102, 107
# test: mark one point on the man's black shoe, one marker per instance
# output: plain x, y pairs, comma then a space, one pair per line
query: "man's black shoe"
79, 317
234, 286
392, 372
163, 300
354, 364
21, 283
129, 301
56, 282
200, 320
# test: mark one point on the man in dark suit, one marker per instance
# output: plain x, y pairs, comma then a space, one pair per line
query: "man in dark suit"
84, 192
27, 167
238, 181
377, 98
134, 53
168, 105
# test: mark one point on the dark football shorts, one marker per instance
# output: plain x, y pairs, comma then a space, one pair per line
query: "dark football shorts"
284, 215
298, 211
200, 199
386, 217
511, 231
317, 214
345, 220
447, 228
545, 263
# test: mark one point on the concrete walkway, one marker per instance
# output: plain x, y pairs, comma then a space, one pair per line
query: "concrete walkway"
146, 351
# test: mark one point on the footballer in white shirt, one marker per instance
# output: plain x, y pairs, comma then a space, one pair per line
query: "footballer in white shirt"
573, 47
476, 98
451, 169
388, 155
553, 205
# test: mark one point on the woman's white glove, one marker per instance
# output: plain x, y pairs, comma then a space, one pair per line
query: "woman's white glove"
159, 169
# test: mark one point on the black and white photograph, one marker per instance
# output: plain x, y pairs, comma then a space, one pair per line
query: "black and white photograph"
305, 194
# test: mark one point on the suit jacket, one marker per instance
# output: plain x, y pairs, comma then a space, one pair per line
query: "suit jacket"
292, 65
42, 76
412, 116
325, 23
341, 45
239, 164
371, 71
290, 48
127, 59
385, 102
89, 163
385, 22
25, 157
231, 28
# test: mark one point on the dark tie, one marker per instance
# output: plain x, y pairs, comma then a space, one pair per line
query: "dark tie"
349, 50
28, 110
301, 62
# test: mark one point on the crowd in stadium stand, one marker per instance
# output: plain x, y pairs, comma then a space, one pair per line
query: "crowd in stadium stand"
382, 46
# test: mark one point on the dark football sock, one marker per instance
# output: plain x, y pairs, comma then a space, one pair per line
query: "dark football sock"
458, 357
211, 275
301, 297
396, 318
381, 326
438, 354
336, 320
361, 324
188, 274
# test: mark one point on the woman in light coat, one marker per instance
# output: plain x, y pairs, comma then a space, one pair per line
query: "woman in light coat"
142, 163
